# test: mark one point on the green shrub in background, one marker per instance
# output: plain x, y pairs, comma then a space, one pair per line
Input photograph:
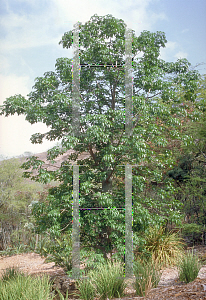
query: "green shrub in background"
39, 244
147, 275
91, 259
18, 249
192, 233
59, 251
189, 267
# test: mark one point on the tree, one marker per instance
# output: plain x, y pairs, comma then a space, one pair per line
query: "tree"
157, 114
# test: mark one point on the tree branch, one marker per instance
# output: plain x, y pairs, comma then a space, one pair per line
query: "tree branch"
92, 154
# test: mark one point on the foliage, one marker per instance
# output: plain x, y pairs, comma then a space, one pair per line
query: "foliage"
16, 196
39, 243
91, 259
189, 267
190, 173
22, 287
192, 232
162, 95
15, 192
9, 251
59, 250
163, 247
203, 259
147, 273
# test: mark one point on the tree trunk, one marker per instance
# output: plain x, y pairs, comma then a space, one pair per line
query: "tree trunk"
107, 186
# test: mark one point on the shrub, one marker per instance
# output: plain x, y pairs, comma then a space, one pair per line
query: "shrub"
192, 233
91, 259
59, 251
189, 267
147, 275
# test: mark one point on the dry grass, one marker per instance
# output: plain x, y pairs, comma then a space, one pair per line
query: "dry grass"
165, 248
147, 275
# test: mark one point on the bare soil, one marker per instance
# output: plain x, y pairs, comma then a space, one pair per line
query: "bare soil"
169, 287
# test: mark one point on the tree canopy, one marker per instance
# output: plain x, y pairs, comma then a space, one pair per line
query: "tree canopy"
164, 96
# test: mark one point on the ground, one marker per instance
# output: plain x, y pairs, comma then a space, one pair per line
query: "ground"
169, 287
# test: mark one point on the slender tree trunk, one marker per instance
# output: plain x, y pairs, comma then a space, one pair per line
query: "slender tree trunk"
107, 186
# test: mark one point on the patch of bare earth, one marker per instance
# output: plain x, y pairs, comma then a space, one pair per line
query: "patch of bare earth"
169, 287
29, 263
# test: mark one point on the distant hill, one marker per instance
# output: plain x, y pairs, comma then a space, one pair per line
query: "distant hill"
61, 158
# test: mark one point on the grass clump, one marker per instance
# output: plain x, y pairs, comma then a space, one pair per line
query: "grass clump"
189, 267
165, 247
147, 275
10, 273
106, 282
16, 285
86, 289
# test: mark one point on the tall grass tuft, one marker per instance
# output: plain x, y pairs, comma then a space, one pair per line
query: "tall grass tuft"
147, 275
165, 248
189, 267
106, 282
10, 273
15, 285
86, 289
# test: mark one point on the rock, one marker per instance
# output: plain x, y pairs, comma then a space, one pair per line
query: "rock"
63, 283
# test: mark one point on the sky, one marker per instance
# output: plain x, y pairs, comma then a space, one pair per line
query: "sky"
31, 30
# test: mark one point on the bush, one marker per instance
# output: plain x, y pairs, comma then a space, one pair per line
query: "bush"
91, 259
165, 248
58, 251
15, 285
147, 275
189, 267
192, 233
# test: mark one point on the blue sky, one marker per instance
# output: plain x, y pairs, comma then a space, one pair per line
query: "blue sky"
30, 32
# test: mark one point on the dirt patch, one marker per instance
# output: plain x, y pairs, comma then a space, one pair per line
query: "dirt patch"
29, 263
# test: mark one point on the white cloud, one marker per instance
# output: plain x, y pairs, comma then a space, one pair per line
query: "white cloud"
4, 63
171, 50
135, 13
185, 30
15, 135
12, 84
26, 30
166, 52
41, 27
15, 131
181, 54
